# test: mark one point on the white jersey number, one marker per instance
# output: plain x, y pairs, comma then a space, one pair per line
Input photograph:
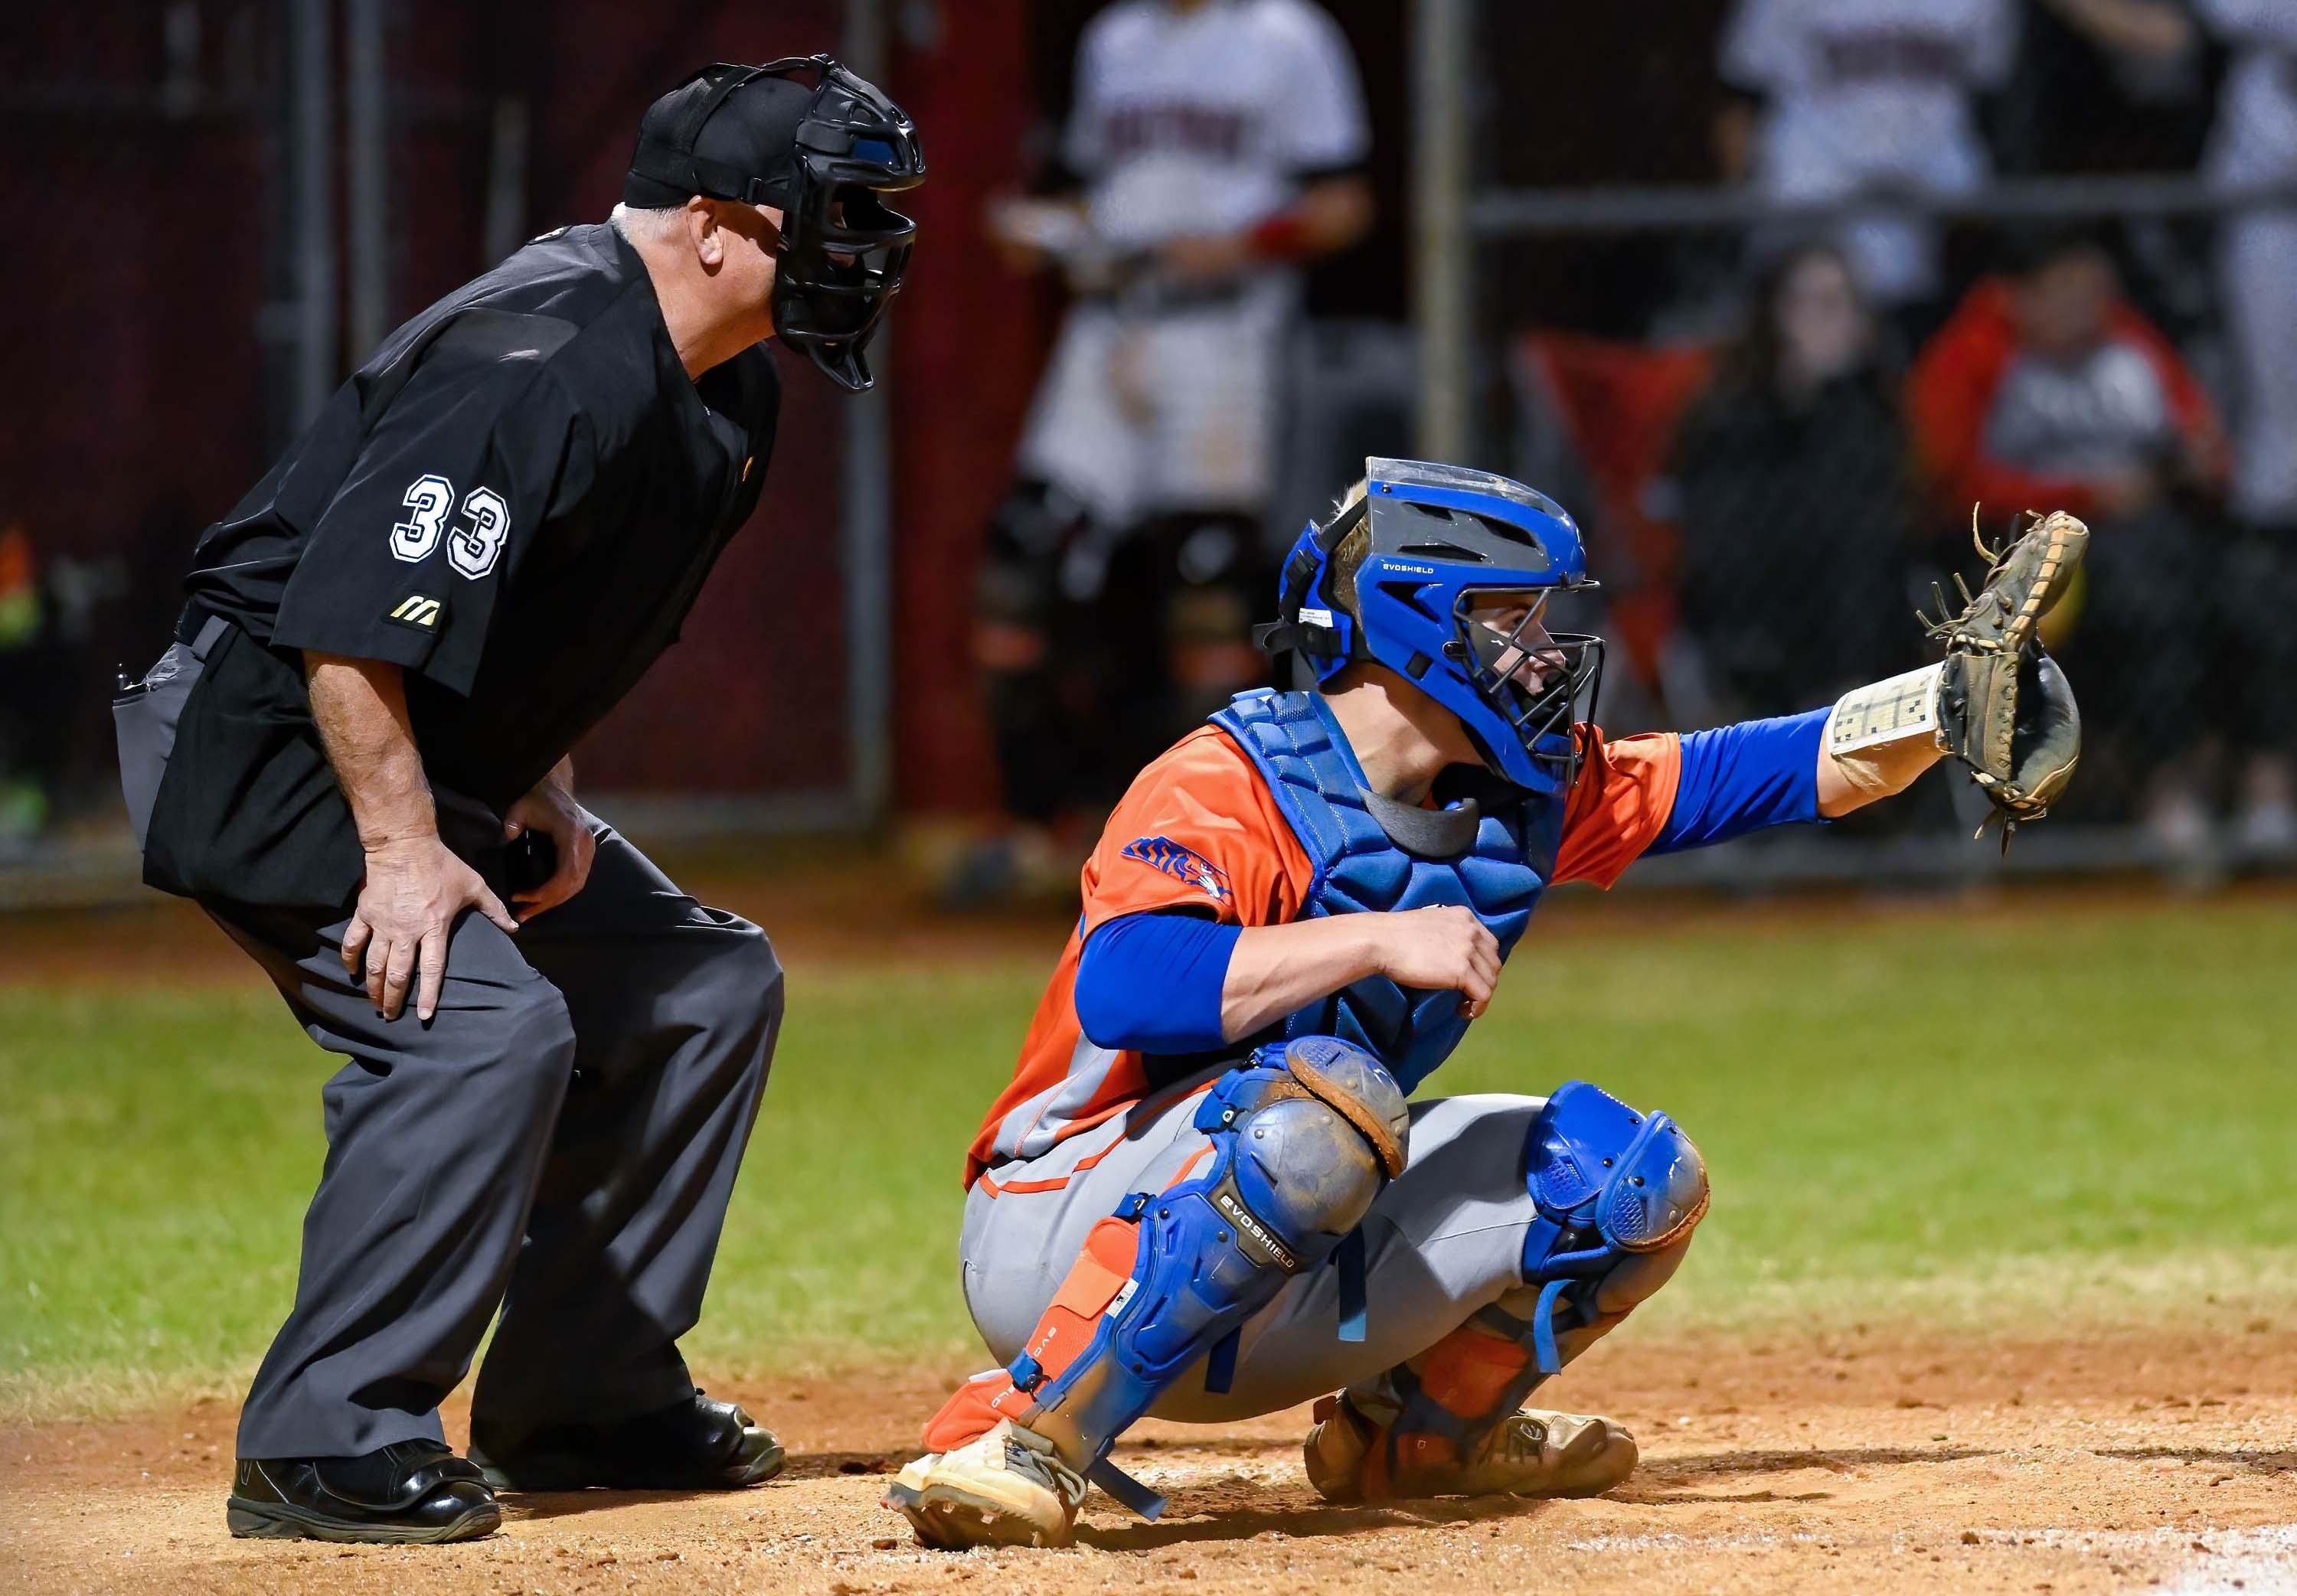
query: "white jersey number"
475, 548
475, 542
413, 538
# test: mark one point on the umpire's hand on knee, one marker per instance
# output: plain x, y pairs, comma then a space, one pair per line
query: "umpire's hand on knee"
414, 890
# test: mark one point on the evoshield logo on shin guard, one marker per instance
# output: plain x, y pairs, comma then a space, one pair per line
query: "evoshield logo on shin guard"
1250, 1231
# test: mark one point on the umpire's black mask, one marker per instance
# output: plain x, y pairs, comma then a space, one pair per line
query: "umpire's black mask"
823, 146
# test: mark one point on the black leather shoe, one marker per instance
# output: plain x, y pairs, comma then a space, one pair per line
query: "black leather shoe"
696, 1444
411, 1491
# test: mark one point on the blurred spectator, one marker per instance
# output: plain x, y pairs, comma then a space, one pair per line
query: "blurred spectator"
1865, 97
2105, 86
1215, 147
32, 708
1791, 479
2047, 390
2254, 145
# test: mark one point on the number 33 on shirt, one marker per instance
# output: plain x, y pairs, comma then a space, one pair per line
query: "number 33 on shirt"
474, 541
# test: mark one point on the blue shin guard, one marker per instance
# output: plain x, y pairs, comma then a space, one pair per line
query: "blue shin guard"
1611, 1185
1617, 1193
1303, 1139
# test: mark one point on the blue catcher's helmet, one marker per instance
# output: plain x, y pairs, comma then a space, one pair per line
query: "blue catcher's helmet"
1446, 542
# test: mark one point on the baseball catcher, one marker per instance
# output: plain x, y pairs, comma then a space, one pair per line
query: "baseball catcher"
1208, 1193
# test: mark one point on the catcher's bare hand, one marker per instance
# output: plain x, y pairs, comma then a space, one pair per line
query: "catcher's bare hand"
414, 892
1436, 949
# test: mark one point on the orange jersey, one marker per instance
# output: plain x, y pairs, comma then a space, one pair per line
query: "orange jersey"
1200, 830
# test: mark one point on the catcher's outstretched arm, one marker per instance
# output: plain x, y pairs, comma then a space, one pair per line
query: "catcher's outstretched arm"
1878, 739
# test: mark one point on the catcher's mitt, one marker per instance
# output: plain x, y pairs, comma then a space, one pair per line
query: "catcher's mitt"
2005, 710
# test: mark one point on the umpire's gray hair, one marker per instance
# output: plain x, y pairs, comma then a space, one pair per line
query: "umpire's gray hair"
634, 224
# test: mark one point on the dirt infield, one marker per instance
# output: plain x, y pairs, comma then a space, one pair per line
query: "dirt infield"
1859, 1461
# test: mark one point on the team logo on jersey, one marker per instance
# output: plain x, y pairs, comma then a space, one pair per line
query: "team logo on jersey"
419, 611
1181, 864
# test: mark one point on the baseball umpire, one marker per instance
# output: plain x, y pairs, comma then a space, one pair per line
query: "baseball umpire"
355, 757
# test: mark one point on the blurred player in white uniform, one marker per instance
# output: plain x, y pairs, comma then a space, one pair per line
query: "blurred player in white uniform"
1871, 97
1215, 147
2253, 145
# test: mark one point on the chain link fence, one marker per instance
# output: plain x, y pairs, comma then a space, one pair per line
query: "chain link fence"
2014, 256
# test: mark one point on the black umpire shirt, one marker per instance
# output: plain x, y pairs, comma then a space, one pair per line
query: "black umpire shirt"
516, 501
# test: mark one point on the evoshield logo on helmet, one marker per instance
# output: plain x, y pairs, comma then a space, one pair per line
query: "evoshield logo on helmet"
1444, 575
843, 249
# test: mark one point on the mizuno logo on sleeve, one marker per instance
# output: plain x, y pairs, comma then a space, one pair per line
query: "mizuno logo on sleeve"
418, 610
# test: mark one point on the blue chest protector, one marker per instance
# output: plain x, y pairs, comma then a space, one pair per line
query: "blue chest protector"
1498, 878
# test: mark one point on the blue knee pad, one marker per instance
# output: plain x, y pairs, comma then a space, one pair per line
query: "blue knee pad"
1611, 1185
1303, 1136
1614, 1190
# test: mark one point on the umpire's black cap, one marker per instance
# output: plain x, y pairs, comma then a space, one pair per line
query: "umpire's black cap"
728, 131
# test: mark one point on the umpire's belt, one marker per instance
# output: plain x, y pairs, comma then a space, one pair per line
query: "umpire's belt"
199, 626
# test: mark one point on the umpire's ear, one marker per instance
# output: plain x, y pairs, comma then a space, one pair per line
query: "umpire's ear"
706, 232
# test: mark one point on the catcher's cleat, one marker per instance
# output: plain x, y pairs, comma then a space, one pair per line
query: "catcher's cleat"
696, 1444
1353, 1458
1009, 1488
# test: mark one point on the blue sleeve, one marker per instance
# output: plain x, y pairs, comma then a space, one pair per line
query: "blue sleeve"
1741, 779
1152, 981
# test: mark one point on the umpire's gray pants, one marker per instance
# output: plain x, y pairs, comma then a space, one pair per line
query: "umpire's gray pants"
1442, 1241
561, 1140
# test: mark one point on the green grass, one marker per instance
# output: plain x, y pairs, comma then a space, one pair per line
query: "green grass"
1941, 1118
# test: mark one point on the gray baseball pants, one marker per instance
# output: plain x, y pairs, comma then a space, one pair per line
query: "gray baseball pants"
559, 1142
1443, 1241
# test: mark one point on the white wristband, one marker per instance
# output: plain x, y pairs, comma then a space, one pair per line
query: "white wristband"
1882, 736
1894, 711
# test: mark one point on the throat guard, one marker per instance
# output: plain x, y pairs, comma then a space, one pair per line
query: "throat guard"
1497, 875
843, 249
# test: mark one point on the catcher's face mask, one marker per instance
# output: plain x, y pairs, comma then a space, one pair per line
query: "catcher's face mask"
1537, 681
805, 135
1463, 573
